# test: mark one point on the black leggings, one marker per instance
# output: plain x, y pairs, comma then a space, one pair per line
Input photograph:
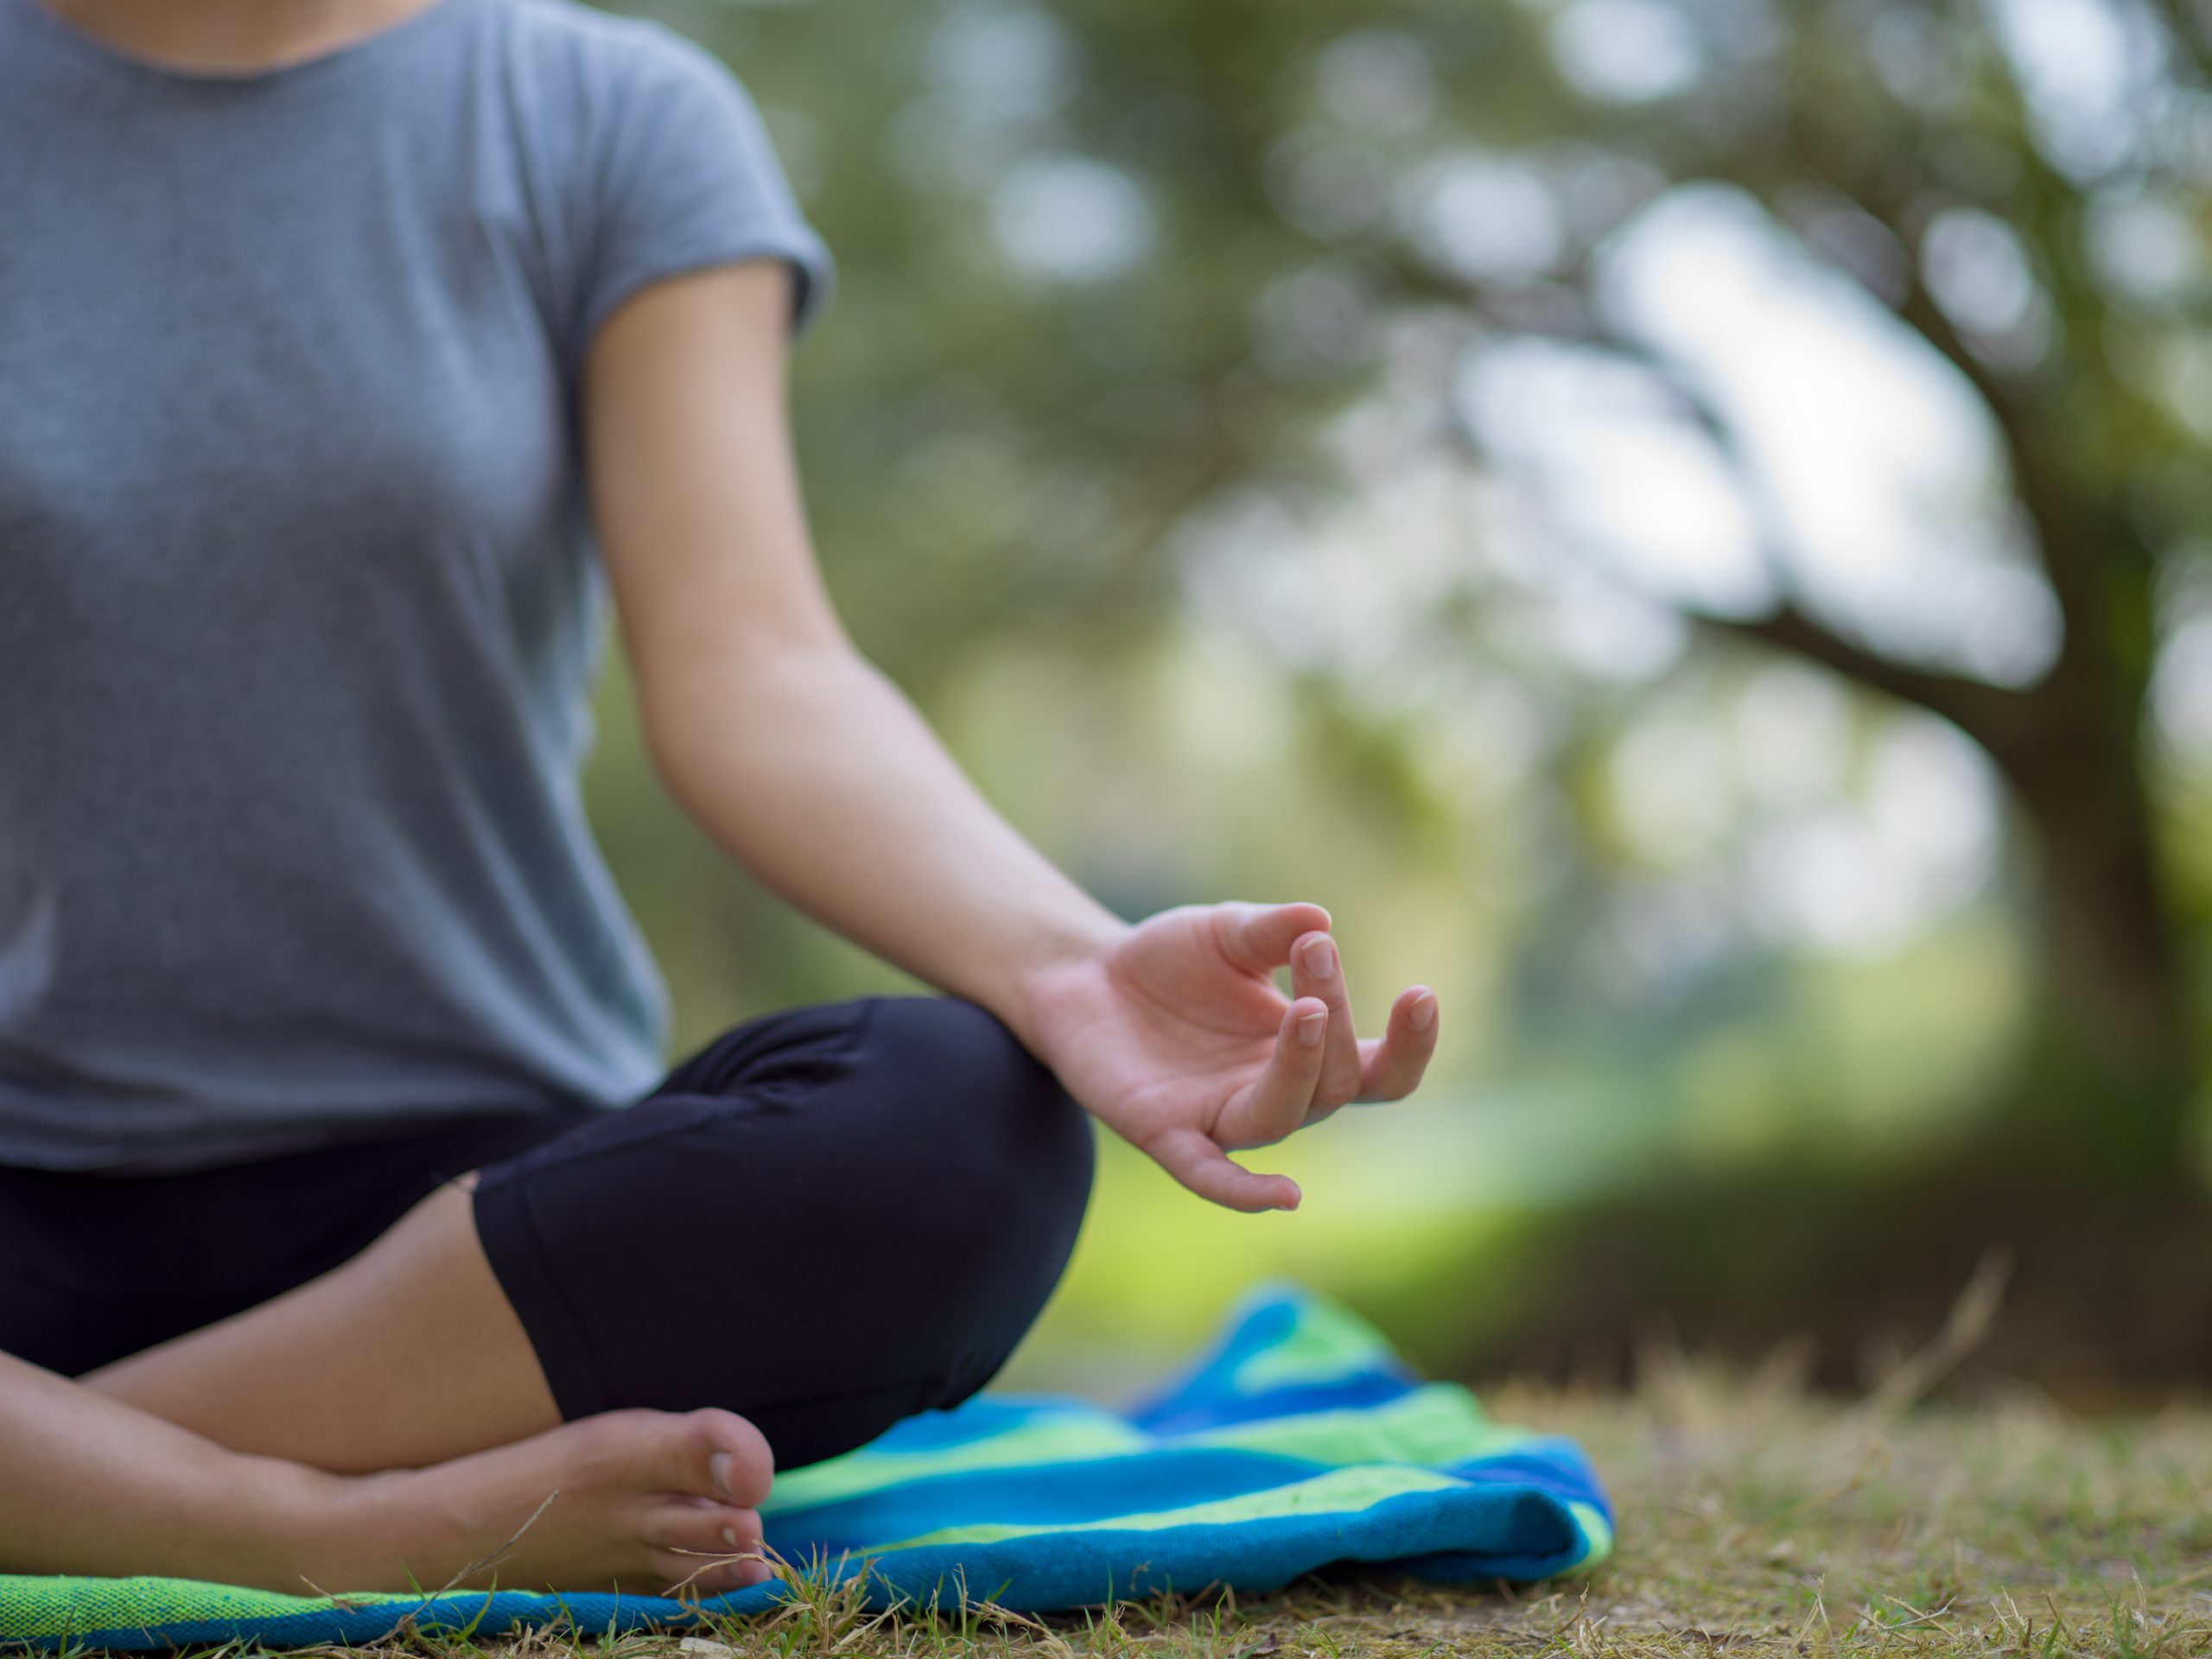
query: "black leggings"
826, 1220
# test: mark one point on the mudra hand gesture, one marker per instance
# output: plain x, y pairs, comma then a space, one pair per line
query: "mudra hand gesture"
1174, 1032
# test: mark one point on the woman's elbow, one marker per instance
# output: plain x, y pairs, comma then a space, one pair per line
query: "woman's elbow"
706, 716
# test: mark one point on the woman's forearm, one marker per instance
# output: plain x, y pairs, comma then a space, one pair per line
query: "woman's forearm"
814, 771
818, 775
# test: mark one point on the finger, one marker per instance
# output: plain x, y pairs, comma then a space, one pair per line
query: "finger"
1276, 1103
1195, 1160
1258, 937
1316, 970
1392, 1066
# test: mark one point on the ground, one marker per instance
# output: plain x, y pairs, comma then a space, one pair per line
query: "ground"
1754, 1519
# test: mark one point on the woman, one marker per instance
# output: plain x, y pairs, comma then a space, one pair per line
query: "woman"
327, 328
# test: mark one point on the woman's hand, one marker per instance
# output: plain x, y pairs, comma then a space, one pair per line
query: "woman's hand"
1174, 1034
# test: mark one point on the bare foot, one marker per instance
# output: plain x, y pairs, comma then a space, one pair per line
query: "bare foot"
643, 1500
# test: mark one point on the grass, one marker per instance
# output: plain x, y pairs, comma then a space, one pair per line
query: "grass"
1754, 1519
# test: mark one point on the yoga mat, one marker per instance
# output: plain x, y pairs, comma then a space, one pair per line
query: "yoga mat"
1301, 1440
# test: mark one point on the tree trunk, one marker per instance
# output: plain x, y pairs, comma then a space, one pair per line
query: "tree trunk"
2109, 1098
2110, 1095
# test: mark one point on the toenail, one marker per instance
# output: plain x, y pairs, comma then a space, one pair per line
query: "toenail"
723, 1466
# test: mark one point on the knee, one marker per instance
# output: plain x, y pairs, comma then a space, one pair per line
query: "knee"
914, 1178
1003, 1148
993, 1162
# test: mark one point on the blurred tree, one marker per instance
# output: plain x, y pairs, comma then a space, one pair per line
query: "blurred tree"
1107, 265
1890, 135
2020, 186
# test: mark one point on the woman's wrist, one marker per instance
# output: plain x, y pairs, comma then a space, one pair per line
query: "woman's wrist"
1058, 945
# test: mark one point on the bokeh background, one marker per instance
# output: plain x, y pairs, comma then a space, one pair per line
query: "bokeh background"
1684, 523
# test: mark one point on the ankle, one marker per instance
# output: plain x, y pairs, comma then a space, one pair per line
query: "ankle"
259, 1523
321, 1533
371, 1532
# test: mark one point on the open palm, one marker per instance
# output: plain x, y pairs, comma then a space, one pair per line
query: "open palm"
1175, 1035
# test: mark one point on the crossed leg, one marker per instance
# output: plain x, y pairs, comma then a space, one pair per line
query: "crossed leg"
395, 1423
826, 1221
407, 1354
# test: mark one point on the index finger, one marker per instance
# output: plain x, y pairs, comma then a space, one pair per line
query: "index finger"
1195, 1160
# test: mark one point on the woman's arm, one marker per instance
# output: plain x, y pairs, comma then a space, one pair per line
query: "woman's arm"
818, 775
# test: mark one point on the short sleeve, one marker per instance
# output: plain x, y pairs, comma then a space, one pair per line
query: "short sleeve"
686, 179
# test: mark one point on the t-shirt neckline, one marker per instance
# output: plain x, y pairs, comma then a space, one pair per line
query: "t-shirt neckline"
90, 48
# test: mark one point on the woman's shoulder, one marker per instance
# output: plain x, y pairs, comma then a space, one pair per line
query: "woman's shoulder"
657, 157
602, 56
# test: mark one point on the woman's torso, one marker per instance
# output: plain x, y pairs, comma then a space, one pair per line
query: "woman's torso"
297, 615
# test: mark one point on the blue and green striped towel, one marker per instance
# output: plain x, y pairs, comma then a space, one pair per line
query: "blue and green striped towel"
1299, 1441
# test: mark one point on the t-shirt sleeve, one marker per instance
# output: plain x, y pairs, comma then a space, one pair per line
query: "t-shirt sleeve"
686, 179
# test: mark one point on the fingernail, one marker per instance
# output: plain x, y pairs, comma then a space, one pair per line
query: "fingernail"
1424, 1014
729, 1536
1310, 1027
1320, 957
719, 1467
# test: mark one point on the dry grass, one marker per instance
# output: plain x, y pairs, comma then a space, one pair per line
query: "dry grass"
1754, 1520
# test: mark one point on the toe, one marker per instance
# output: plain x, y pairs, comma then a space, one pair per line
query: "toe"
704, 1529
737, 1463
710, 1454
688, 1576
706, 1549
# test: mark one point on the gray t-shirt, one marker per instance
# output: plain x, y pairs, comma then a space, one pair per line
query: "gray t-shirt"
297, 609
